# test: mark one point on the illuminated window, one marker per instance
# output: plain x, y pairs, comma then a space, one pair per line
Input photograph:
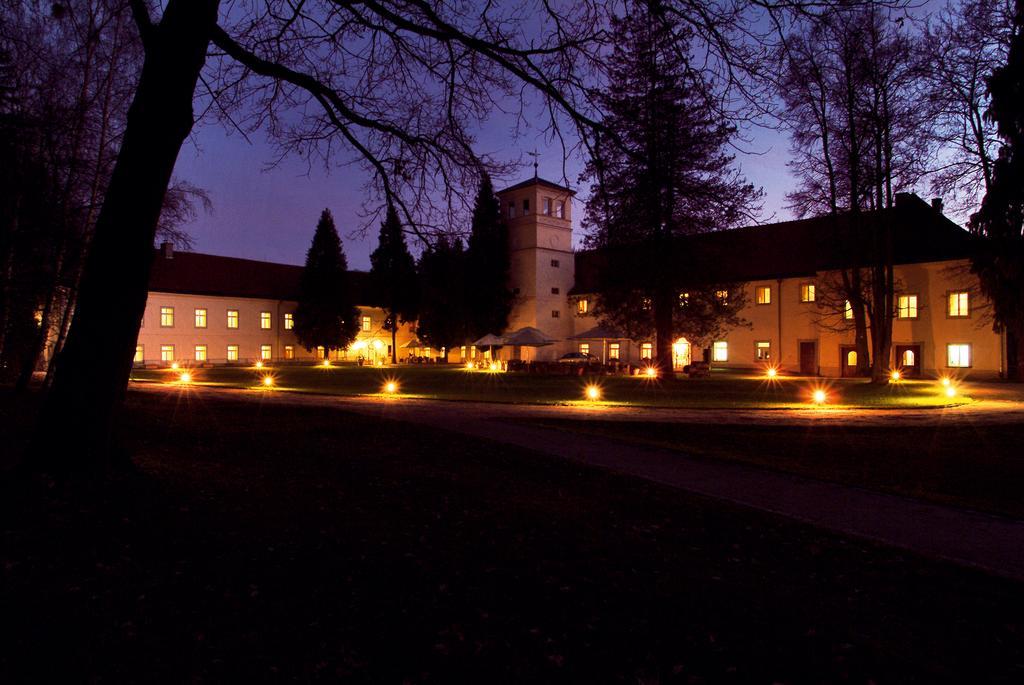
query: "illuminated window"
645, 304
848, 311
167, 353
200, 318
547, 206
959, 305
555, 263
684, 299
723, 296
958, 355
584, 348
289, 352
764, 294
555, 313
526, 206
646, 351
720, 351
232, 353
807, 292
614, 351
560, 209
320, 352
366, 323
511, 209
908, 358
140, 354
289, 321
232, 318
462, 353
762, 350
906, 307
472, 351
265, 320
851, 358
266, 352
200, 353
167, 317
582, 306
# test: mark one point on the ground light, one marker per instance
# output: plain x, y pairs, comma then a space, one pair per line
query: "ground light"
771, 372
185, 377
174, 366
950, 391
819, 397
268, 381
469, 366
895, 376
493, 366
326, 364
651, 372
945, 381
391, 387
592, 393
259, 364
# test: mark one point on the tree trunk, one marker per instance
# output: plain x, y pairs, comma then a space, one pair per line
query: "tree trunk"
92, 372
663, 332
394, 339
1014, 354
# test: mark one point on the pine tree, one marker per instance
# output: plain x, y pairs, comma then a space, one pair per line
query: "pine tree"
393, 274
664, 173
443, 314
999, 262
489, 300
326, 315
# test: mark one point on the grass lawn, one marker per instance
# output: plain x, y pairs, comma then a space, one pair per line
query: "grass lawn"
722, 390
265, 542
980, 466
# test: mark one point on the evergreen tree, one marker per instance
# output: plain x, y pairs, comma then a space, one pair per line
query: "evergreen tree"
999, 262
663, 174
326, 315
443, 314
393, 274
489, 300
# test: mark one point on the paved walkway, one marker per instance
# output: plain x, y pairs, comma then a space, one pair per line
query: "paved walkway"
992, 543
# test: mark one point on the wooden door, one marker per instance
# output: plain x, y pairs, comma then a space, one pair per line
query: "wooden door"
847, 361
908, 360
809, 358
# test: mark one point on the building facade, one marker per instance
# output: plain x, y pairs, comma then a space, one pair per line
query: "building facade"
204, 309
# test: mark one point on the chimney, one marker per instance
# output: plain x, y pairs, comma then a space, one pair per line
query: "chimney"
167, 249
937, 204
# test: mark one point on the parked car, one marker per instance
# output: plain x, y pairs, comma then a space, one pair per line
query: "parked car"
578, 358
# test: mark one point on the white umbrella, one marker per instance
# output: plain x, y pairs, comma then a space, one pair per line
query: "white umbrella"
490, 340
529, 337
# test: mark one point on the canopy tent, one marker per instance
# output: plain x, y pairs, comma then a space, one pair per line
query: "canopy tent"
529, 337
490, 340
415, 342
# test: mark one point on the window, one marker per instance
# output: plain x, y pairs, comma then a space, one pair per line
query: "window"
472, 351
723, 297
554, 291
720, 351
167, 317
232, 353
555, 314
762, 350
807, 292
584, 348
614, 351
140, 354
167, 353
958, 355
265, 320
906, 307
289, 321
684, 299
289, 352
266, 352
555, 263
232, 318
764, 294
645, 304
959, 305
321, 353
582, 306
547, 206
200, 318
908, 358
511, 210
462, 353
848, 311
646, 351
200, 353
560, 209
366, 323
526, 206
851, 358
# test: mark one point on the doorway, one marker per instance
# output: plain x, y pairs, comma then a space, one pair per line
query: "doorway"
908, 360
809, 358
847, 361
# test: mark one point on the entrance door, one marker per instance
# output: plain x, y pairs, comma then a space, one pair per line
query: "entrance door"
847, 361
680, 354
908, 360
809, 358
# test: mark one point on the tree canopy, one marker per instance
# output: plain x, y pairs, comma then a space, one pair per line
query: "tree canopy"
393, 276
489, 300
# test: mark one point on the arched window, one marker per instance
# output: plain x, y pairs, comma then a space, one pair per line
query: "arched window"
908, 358
851, 358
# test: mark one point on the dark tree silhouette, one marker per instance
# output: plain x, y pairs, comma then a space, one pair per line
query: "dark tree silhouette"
1000, 220
442, 321
393, 274
665, 176
326, 315
489, 299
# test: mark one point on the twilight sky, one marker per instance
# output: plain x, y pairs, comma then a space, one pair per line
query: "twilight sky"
270, 214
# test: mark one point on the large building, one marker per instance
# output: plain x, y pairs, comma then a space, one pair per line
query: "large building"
211, 309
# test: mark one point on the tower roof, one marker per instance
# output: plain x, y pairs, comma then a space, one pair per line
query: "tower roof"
540, 182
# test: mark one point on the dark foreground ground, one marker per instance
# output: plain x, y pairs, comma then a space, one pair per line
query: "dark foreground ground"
272, 543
